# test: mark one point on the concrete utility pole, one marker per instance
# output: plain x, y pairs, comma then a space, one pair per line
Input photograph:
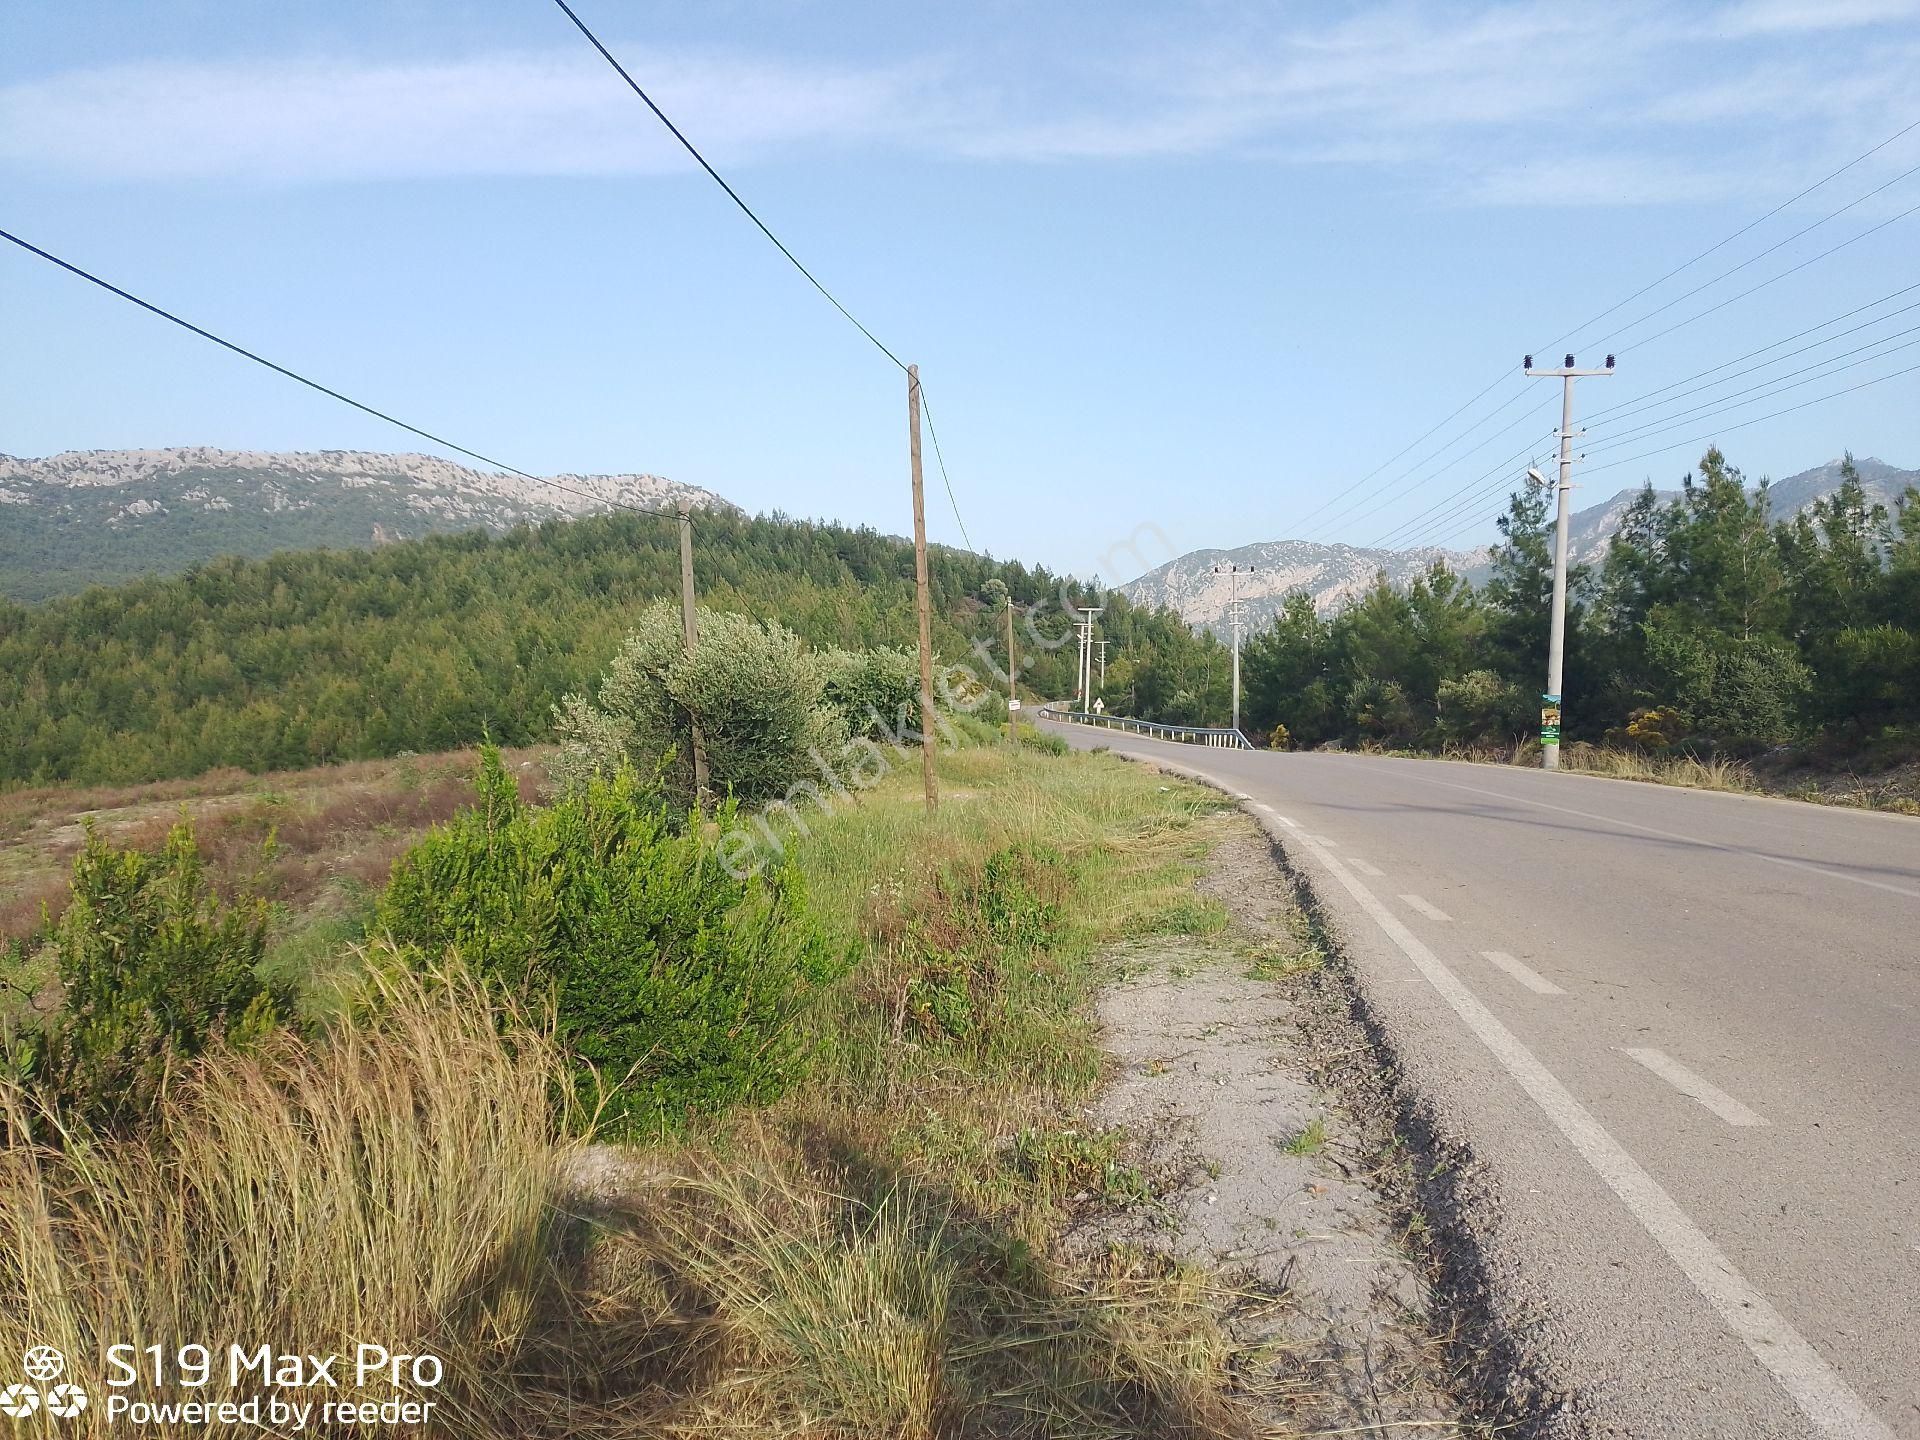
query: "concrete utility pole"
690, 636
1233, 574
1013, 670
923, 594
1557, 634
1086, 656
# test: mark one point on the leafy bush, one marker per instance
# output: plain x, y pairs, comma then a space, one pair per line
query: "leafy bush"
756, 695
873, 691
675, 983
1479, 705
153, 970
1041, 740
974, 730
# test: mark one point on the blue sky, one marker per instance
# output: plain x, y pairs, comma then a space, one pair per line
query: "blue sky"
1195, 268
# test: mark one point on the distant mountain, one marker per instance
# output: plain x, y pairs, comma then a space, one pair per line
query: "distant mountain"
1333, 574
81, 517
1589, 530
1329, 573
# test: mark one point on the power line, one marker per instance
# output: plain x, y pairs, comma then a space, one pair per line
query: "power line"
1455, 516
1391, 459
1750, 225
1721, 404
311, 384
1452, 523
1761, 255
927, 410
764, 229
1678, 269
1407, 531
1630, 404
1770, 280
1758, 419
1851, 240
1383, 501
732, 194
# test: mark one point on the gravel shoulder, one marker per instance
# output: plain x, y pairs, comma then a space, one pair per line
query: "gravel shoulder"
1262, 1170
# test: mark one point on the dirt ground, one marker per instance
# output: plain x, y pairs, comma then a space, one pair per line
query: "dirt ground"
1260, 1171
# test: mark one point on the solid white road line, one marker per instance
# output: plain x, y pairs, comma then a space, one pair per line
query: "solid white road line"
1703, 1090
1290, 824
1822, 1394
1365, 869
1426, 908
1525, 974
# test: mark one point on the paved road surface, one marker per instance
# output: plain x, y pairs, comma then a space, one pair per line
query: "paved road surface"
1677, 1030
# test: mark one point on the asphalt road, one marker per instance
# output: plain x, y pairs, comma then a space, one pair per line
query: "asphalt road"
1676, 1031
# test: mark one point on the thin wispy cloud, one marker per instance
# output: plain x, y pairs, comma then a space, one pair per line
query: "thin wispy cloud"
1776, 17
507, 114
1495, 104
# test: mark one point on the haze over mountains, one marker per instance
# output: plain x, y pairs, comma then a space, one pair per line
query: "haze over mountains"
102, 516
1335, 573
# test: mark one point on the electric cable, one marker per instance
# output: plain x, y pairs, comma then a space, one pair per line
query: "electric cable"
312, 384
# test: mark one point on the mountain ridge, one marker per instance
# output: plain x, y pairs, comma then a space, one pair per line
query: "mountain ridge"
99, 516
1333, 574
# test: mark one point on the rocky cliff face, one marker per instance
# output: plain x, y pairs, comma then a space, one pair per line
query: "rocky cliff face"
103, 515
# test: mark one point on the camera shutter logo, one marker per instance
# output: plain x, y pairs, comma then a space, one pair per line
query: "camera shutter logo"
19, 1401
64, 1402
43, 1364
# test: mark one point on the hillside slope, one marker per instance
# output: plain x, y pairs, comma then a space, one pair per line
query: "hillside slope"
315, 656
102, 516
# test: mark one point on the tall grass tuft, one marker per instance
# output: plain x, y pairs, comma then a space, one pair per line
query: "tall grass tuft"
394, 1184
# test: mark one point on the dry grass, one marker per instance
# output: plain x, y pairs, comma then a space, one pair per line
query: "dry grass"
870, 1258
302, 839
1709, 774
397, 1180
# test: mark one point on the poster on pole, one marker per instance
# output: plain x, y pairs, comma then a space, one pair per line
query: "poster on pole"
1549, 719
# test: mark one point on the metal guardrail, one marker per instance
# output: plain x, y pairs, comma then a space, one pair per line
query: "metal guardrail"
1224, 738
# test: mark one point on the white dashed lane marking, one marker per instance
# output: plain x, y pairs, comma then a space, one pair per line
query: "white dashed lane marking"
1365, 869
1696, 1087
1525, 974
1819, 1391
1425, 907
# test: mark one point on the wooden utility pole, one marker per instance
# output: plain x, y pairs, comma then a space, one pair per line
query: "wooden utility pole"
690, 634
925, 599
1013, 671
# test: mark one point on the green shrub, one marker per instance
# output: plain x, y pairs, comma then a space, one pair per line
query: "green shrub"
757, 696
1019, 895
974, 729
1480, 706
875, 692
1040, 740
153, 969
675, 984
